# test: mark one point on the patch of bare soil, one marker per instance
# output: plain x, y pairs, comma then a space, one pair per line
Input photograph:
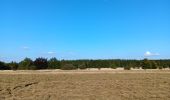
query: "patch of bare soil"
85, 85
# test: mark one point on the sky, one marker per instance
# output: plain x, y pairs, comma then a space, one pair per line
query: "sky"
84, 29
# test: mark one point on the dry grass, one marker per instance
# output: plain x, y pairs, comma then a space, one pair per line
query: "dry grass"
85, 85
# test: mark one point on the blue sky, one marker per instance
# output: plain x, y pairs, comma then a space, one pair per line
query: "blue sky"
84, 29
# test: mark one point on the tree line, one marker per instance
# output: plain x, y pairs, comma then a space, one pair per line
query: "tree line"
53, 63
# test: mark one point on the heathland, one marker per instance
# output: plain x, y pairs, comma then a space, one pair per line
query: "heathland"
85, 85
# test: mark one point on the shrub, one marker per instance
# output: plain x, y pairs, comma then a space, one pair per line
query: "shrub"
127, 68
160, 67
113, 66
68, 67
82, 66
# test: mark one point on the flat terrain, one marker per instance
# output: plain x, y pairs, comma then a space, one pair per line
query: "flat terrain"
85, 85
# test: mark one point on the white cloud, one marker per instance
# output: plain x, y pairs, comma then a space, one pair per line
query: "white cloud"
25, 48
148, 54
51, 52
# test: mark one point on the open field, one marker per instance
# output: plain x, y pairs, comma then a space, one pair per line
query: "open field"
85, 85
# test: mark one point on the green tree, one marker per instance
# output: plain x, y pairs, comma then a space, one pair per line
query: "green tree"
146, 64
13, 65
53, 63
27, 63
3, 66
41, 63
154, 65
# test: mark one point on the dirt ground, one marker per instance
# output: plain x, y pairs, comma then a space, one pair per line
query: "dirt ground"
85, 85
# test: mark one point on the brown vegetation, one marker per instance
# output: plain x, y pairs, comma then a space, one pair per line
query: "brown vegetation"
85, 85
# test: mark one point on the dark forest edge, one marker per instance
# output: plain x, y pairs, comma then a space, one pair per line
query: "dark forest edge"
53, 63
